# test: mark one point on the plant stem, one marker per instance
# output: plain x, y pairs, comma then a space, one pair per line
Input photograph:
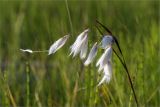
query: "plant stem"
40, 51
124, 65
69, 16
28, 85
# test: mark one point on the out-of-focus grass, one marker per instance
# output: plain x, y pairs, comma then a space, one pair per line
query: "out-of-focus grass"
59, 80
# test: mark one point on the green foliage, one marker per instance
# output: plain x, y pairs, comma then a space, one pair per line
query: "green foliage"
59, 80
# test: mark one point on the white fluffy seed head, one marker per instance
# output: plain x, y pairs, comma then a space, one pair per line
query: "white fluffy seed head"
107, 41
84, 47
58, 44
80, 45
107, 73
106, 56
92, 54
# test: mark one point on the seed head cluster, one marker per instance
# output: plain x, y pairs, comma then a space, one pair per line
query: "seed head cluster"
80, 47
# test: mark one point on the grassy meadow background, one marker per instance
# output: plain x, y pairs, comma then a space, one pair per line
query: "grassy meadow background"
39, 80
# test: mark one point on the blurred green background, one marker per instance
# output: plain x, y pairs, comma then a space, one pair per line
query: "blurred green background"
62, 81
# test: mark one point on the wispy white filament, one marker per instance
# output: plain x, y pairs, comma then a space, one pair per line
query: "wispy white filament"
27, 50
80, 45
92, 54
58, 44
108, 71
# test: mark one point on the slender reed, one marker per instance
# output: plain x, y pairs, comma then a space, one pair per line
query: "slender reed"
69, 16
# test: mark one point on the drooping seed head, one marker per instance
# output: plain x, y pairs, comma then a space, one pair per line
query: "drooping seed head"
92, 54
80, 45
107, 41
107, 73
58, 44
106, 56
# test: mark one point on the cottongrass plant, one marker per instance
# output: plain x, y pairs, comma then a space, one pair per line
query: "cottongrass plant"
122, 60
80, 46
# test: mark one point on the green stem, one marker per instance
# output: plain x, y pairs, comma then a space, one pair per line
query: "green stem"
69, 15
28, 85
40, 51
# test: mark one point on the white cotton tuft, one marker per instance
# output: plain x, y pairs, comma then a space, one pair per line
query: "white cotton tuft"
80, 45
107, 41
58, 44
84, 47
107, 74
108, 71
92, 54
106, 56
